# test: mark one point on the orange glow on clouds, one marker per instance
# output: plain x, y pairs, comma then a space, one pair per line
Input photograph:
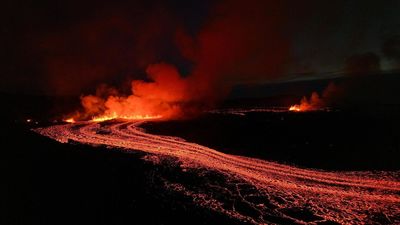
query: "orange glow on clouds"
248, 50
162, 97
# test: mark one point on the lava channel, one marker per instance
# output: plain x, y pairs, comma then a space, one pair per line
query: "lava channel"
342, 197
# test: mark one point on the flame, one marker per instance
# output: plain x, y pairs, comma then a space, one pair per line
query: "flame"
295, 108
314, 103
114, 115
70, 120
164, 96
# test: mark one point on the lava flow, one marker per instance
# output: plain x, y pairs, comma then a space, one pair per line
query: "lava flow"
131, 117
343, 197
69, 120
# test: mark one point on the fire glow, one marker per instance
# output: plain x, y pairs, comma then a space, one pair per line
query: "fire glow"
168, 91
70, 120
314, 103
295, 108
115, 116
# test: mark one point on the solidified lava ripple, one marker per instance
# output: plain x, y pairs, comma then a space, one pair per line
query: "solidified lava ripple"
270, 192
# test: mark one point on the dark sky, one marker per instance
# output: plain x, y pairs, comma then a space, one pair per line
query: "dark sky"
338, 29
69, 47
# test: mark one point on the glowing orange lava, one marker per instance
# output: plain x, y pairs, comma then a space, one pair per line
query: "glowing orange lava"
70, 120
114, 116
295, 108
314, 103
342, 197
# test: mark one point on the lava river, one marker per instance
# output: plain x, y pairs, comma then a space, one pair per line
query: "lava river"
285, 191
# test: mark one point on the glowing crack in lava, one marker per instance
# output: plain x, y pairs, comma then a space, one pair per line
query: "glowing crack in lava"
342, 197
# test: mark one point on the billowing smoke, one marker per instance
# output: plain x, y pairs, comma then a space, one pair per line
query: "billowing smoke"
238, 42
316, 101
165, 95
360, 72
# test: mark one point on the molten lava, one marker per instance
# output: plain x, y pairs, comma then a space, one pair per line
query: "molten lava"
342, 197
70, 120
295, 108
126, 117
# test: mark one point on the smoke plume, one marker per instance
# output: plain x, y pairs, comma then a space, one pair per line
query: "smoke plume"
238, 42
315, 102
360, 74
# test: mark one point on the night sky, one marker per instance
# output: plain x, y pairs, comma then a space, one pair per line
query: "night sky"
70, 47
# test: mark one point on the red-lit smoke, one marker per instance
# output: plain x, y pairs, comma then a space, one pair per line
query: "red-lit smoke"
163, 96
316, 101
239, 42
